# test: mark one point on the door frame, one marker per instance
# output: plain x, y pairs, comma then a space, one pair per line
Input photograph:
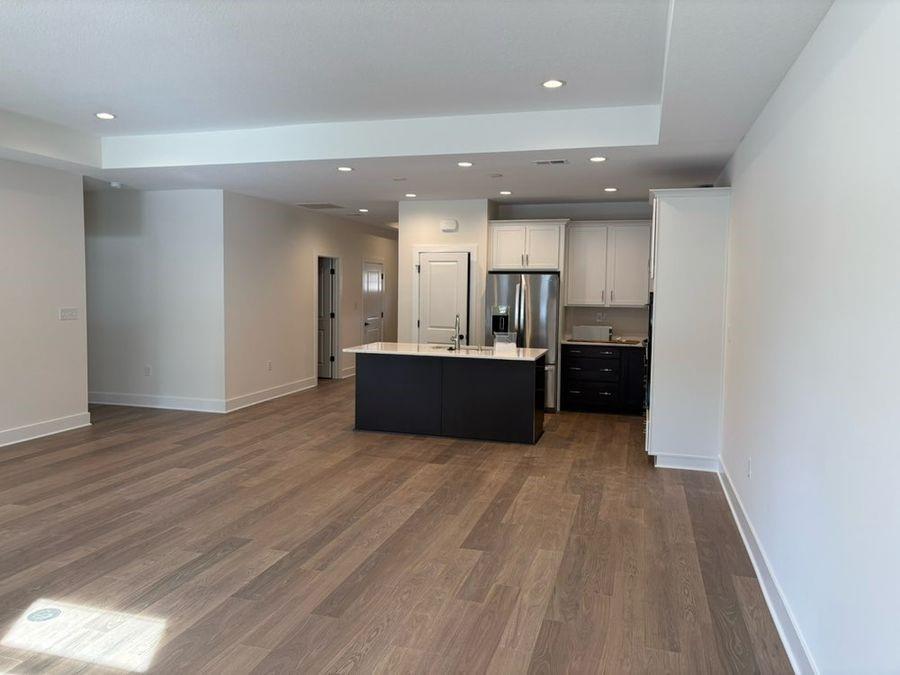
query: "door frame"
475, 289
338, 292
362, 319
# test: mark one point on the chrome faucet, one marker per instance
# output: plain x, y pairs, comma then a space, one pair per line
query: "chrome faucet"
456, 334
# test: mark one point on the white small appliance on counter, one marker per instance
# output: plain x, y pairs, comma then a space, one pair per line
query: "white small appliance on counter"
592, 333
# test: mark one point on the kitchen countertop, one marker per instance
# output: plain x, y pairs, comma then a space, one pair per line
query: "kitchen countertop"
605, 343
413, 349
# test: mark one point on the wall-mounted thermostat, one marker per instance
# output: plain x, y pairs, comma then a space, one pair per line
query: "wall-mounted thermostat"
449, 225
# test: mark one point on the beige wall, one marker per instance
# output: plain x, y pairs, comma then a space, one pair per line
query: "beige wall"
206, 287
155, 293
43, 361
271, 253
420, 227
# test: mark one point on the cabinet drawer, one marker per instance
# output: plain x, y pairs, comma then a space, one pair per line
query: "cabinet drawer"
591, 352
596, 370
591, 394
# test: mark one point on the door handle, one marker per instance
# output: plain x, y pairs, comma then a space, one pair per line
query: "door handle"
365, 323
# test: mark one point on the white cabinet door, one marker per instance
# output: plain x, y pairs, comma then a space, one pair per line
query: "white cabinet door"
586, 266
508, 246
542, 247
628, 271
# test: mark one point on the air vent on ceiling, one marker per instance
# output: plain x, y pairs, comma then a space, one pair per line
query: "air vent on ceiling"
550, 162
320, 205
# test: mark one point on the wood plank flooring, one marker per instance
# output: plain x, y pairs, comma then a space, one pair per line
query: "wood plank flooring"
278, 540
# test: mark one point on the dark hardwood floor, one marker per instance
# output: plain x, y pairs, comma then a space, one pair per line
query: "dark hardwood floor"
277, 539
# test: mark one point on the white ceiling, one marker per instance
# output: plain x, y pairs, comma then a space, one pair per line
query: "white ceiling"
223, 64
695, 73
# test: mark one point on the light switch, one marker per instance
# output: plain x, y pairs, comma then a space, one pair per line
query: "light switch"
68, 314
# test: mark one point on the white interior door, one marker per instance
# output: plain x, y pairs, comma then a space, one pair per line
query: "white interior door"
373, 302
326, 318
443, 293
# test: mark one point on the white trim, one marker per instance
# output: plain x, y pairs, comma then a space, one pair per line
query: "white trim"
246, 400
688, 462
215, 405
349, 371
45, 428
797, 650
475, 291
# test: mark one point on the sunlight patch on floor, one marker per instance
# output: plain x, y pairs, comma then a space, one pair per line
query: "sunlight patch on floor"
92, 634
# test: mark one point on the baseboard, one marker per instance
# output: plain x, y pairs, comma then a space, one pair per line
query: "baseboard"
349, 371
689, 462
245, 400
796, 647
215, 405
45, 428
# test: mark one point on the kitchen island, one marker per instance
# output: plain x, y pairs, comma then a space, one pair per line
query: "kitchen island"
472, 392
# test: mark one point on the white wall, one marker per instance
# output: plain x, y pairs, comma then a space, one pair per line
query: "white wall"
813, 317
155, 295
43, 361
420, 227
577, 211
271, 253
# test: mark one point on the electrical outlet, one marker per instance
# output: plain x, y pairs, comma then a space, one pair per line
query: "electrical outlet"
68, 314
148, 371
749, 467
601, 317
268, 365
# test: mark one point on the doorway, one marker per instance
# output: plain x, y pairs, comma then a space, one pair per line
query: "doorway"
327, 318
373, 302
443, 294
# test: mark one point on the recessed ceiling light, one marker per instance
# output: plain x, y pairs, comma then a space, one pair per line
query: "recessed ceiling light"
553, 84
345, 169
464, 165
115, 185
610, 189
363, 210
411, 195
505, 193
598, 159
104, 116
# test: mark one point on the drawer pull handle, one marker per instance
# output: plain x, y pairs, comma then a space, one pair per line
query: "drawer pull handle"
574, 391
606, 370
604, 393
574, 351
574, 368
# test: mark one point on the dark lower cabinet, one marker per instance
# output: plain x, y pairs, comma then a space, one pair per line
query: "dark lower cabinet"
487, 399
603, 378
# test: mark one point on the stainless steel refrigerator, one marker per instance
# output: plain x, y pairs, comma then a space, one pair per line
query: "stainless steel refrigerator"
532, 302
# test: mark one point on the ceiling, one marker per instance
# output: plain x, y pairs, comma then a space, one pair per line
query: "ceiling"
267, 98
224, 64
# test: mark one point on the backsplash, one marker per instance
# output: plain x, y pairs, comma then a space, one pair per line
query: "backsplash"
625, 321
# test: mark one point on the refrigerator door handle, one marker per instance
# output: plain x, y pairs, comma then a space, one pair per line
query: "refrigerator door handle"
523, 317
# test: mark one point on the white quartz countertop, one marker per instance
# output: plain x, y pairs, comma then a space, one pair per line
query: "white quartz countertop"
633, 342
413, 349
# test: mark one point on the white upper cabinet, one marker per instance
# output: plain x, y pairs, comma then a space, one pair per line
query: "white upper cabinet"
628, 268
586, 264
608, 264
520, 244
508, 244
